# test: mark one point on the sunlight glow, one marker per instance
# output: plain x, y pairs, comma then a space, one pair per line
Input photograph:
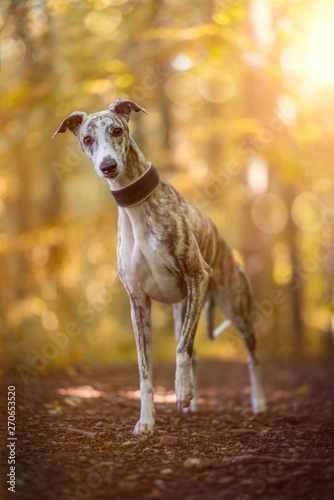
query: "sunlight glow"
257, 175
287, 109
158, 398
320, 60
168, 396
261, 20
84, 391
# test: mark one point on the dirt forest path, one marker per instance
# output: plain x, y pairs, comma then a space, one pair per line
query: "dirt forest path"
75, 440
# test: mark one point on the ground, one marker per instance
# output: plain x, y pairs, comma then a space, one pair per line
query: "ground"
75, 440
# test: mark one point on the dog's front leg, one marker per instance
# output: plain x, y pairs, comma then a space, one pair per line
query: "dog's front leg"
197, 288
179, 316
141, 320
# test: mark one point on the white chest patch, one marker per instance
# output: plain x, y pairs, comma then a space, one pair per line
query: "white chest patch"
147, 266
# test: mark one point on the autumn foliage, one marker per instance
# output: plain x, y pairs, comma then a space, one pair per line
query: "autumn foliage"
241, 103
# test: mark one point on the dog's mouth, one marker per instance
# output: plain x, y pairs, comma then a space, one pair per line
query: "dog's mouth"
110, 175
110, 171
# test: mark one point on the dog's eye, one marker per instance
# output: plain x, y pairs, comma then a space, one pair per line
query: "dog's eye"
88, 140
117, 132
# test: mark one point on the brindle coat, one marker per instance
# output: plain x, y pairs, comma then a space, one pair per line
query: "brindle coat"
168, 251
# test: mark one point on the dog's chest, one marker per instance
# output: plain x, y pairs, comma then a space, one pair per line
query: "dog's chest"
144, 261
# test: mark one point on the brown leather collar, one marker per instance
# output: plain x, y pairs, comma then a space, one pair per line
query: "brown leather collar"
139, 190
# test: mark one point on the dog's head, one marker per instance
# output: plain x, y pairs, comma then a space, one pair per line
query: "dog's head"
104, 136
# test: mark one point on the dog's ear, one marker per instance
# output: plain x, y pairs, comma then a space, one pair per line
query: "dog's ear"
72, 122
124, 107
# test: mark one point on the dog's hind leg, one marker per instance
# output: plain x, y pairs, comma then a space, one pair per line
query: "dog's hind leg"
236, 304
193, 372
179, 311
209, 307
212, 332
257, 395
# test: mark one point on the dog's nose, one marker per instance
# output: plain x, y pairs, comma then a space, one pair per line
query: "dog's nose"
108, 166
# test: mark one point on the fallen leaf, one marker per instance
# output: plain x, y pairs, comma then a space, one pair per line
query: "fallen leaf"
73, 400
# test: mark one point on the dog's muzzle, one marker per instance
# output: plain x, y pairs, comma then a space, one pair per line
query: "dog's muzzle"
108, 167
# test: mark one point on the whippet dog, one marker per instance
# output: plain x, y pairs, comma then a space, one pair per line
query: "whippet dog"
168, 251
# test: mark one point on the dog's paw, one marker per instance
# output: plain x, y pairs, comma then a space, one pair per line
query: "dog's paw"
183, 385
193, 407
259, 405
144, 427
184, 392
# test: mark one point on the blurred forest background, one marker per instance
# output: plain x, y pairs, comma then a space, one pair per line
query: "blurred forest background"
241, 103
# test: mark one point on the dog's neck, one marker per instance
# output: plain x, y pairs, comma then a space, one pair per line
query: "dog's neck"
136, 165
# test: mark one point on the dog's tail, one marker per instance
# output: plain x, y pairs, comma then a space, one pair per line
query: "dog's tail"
211, 332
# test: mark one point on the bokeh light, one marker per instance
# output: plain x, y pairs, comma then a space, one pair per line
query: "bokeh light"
182, 63
50, 320
270, 213
257, 175
103, 23
306, 212
282, 272
182, 89
216, 86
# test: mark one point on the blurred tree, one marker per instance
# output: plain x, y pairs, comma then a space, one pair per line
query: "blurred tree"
241, 122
